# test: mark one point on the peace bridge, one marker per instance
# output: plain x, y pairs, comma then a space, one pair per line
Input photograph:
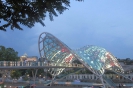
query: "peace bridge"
94, 58
55, 54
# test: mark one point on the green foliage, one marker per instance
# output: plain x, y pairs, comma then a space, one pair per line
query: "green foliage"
23, 71
15, 74
28, 12
8, 54
39, 72
2, 85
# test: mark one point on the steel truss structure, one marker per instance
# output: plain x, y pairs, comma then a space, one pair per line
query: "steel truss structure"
94, 58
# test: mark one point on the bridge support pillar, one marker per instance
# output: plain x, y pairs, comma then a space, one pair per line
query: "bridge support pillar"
102, 81
34, 73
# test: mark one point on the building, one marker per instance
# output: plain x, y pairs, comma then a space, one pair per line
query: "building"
28, 58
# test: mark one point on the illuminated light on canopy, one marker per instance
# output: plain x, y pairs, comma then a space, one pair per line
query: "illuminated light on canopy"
54, 51
99, 58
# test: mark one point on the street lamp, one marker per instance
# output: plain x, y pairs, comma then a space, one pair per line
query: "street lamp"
40, 75
5, 86
28, 76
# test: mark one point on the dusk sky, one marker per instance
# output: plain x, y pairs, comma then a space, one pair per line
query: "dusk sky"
104, 23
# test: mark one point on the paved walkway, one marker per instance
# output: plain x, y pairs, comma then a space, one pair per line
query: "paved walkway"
39, 85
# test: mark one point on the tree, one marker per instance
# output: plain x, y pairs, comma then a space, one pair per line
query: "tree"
39, 72
8, 54
28, 12
15, 74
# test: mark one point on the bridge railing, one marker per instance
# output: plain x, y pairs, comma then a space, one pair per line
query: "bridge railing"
35, 63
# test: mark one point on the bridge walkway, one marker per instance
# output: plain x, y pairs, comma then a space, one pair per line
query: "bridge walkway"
35, 65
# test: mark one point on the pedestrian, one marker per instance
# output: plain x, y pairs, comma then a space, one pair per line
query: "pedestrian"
25, 62
119, 85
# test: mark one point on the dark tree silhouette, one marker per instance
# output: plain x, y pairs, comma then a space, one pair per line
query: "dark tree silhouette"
8, 54
14, 13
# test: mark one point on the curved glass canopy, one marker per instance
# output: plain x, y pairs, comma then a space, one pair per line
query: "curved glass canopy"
97, 58
93, 57
54, 51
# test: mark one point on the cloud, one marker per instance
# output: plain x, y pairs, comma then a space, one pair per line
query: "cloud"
103, 23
